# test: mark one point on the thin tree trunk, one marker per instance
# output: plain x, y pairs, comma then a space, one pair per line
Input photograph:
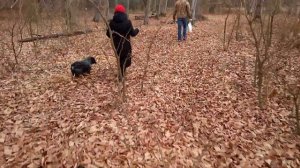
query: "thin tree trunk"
194, 8
107, 9
165, 7
257, 9
159, 8
296, 104
260, 84
162, 8
97, 13
154, 6
238, 28
147, 11
255, 72
127, 6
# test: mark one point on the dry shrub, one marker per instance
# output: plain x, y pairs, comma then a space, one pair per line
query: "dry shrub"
3, 61
289, 31
285, 67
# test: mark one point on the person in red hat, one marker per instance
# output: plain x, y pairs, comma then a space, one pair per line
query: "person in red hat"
122, 30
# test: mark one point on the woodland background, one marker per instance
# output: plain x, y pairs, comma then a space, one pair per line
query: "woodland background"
229, 96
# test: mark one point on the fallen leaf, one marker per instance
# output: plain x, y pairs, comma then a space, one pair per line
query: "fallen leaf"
2, 137
8, 150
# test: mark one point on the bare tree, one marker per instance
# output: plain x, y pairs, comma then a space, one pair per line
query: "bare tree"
70, 13
257, 9
262, 34
103, 5
235, 27
164, 8
128, 5
194, 9
147, 5
16, 47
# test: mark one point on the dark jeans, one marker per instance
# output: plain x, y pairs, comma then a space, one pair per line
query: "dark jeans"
182, 25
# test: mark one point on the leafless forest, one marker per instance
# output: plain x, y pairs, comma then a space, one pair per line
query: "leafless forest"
228, 96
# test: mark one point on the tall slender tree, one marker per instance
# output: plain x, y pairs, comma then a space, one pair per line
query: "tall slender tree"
194, 9
127, 5
147, 4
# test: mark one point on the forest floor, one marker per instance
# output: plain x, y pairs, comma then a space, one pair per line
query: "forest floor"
198, 107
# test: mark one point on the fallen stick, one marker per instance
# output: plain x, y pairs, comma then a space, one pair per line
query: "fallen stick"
142, 17
50, 36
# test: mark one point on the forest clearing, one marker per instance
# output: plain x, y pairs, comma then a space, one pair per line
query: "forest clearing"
185, 103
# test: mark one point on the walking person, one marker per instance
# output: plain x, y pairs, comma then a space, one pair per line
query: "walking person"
183, 13
122, 30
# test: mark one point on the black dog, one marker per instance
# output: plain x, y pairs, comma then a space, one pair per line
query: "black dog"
82, 67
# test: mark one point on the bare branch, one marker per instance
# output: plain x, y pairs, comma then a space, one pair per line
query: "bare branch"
14, 4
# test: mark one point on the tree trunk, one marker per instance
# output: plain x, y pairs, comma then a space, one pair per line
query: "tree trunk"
70, 13
164, 6
159, 8
103, 5
107, 9
127, 6
257, 7
296, 104
154, 7
260, 83
194, 8
147, 11
248, 7
238, 28
97, 13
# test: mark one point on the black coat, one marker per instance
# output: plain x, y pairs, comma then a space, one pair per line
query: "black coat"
122, 27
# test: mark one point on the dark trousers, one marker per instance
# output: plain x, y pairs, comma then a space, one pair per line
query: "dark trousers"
182, 25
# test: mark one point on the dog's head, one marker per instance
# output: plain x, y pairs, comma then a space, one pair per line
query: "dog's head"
92, 60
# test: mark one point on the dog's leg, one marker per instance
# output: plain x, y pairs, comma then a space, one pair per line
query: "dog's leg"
73, 76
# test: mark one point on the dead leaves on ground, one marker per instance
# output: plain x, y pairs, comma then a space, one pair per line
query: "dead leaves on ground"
198, 108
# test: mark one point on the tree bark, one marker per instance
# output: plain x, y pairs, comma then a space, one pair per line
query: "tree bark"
127, 6
159, 7
147, 11
194, 8
296, 103
163, 7
97, 13
104, 6
257, 7
106, 9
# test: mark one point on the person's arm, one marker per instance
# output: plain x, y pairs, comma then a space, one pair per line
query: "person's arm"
188, 10
133, 32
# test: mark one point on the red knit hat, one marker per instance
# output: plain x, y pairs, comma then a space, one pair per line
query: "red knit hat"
120, 8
